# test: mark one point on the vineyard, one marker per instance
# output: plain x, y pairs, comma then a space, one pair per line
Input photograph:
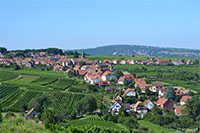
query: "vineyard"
25, 99
64, 101
93, 117
44, 80
61, 84
9, 95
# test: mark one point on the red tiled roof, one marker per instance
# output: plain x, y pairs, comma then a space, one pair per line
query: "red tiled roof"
103, 83
161, 101
163, 90
127, 90
140, 82
185, 98
157, 84
106, 73
137, 104
30, 111
82, 72
178, 110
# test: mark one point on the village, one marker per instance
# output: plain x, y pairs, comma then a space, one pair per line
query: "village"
102, 74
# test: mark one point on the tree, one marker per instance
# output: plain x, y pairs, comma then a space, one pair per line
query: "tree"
193, 107
126, 82
90, 104
3, 50
75, 54
120, 92
87, 104
24, 107
48, 117
118, 73
196, 62
170, 94
1, 117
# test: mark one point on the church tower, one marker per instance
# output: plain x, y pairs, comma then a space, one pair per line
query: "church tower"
83, 55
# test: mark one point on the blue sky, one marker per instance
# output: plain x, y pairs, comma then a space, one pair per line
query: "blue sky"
73, 24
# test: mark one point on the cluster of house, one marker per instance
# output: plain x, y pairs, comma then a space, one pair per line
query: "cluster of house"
60, 62
141, 108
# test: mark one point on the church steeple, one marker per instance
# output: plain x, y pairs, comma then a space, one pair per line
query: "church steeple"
83, 54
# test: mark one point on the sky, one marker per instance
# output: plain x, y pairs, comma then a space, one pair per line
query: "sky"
75, 24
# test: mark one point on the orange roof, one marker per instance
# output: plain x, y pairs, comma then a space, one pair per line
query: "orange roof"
127, 90
185, 98
178, 110
77, 67
161, 101
140, 82
157, 84
82, 72
103, 83
106, 73
30, 111
130, 77
137, 104
163, 90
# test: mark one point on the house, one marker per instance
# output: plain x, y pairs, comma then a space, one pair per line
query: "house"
162, 62
32, 113
103, 83
129, 92
77, 67
115, 61
108, 76
122, 62
139, 62
112, 88
184, 100
189, 62
128, 77
116, 98
156, 86
107, 62
179, 62
139, 108
140, 83
82, 72
130, 61
164, 103
149, 104
27, 64
179, 110
85, 67
126, 107
58, 68
162, 92
115, 108
92, 78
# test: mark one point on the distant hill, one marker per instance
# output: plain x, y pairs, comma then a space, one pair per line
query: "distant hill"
136, 50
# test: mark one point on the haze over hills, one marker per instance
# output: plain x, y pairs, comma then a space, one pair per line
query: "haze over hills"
137, 50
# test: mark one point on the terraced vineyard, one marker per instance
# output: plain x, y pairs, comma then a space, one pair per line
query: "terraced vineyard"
61, 84
25, 99
45, 80
64, 101
93, 117
8, 95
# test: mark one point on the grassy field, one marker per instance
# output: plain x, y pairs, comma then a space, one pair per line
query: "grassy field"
19, 125
155, 128
33, 72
